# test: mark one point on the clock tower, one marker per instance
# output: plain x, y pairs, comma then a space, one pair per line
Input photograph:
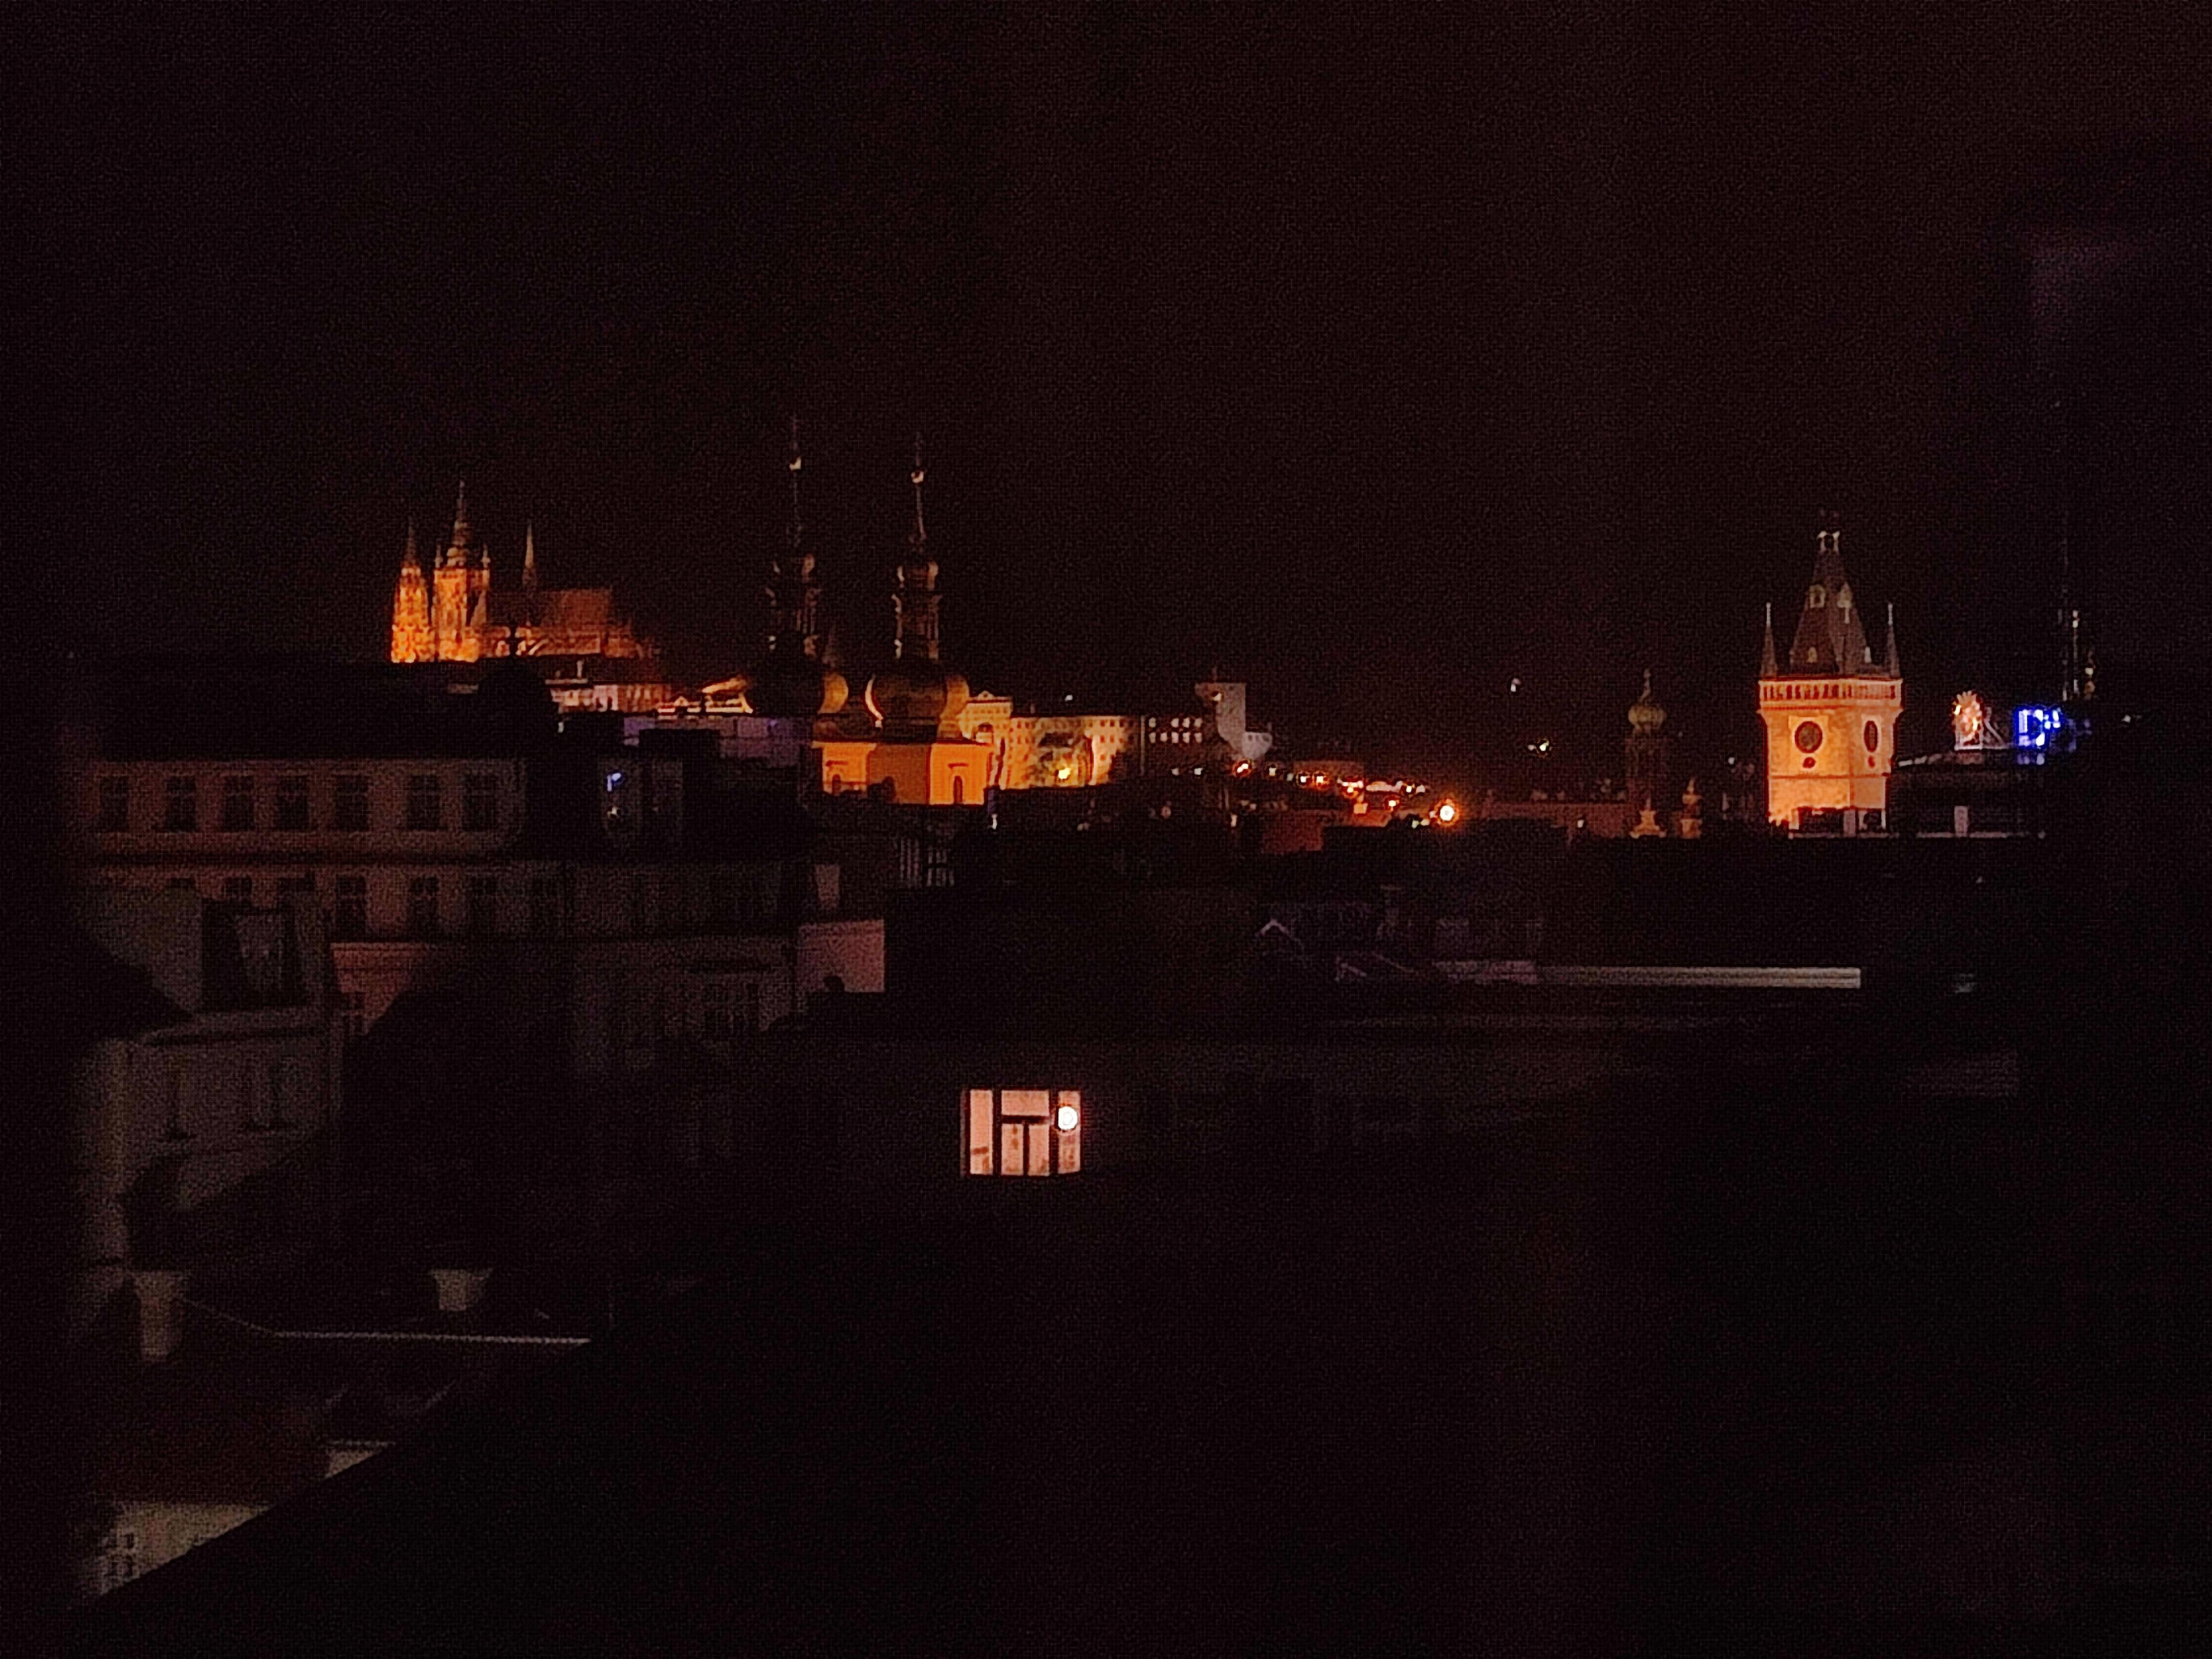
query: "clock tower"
1830, 707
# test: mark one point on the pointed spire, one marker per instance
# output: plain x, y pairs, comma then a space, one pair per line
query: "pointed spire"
1830, 637
915, 601
529, 558
919, 537
797, 527
1889, 656
1768, 668
411, 639
461, 527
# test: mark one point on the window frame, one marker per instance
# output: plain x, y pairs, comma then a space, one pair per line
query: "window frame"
426, 802
350, 804
180, 791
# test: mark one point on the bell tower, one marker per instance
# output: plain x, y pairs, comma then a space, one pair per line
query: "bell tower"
1830, 707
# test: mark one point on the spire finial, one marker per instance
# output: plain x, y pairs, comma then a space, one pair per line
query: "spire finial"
528, 556
920, 536
412, 557
1768, 665
793, 465
1647, 685
1889, 656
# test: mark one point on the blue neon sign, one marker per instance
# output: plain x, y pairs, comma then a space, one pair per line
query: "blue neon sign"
2036, 727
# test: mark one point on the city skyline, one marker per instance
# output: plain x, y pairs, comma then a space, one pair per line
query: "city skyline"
1335, 355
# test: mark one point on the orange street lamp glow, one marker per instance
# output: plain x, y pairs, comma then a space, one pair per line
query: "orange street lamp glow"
1066, 1119
1448, 813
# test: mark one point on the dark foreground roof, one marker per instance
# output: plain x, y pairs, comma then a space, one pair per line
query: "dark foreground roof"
1439, 1413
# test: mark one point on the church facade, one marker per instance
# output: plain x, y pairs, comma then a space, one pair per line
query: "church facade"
1830, 707
452, 612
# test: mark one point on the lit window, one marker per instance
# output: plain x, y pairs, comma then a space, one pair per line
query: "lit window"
1025, 1132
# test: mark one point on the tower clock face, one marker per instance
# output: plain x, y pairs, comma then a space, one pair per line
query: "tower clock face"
1809, 735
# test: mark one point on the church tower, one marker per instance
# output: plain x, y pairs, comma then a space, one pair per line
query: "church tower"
411, 608
457, 587
1830, 707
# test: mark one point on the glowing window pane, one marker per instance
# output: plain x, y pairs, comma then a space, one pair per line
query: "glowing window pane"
1025, 1103
1068, 1144
979, 1132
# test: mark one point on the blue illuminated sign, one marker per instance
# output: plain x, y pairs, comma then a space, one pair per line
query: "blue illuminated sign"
2039, 728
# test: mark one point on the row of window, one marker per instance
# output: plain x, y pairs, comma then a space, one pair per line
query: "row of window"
290, 807
427, 917
731, 903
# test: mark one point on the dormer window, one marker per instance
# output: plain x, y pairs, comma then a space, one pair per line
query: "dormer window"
1817, 597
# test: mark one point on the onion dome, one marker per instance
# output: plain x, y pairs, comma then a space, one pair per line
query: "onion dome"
917, 692
795, 687
1645, 716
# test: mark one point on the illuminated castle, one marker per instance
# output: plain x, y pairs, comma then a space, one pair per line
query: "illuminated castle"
452, 613
1830, 707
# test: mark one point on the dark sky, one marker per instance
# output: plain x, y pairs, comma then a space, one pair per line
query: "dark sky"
1378, 362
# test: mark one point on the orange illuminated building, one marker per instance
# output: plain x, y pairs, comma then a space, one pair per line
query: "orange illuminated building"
1830, 707
451, 613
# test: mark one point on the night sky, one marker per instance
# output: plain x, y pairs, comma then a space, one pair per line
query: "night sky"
1378, 363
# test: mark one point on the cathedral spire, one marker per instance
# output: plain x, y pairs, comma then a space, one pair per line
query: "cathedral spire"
1889, 654
529, 558
463, 540
410, 606
1768, 668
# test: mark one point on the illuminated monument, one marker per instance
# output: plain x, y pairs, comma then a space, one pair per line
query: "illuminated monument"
1830, 707
451, 613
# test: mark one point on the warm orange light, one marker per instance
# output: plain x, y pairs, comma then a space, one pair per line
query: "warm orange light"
1065, 1118
1448, 813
